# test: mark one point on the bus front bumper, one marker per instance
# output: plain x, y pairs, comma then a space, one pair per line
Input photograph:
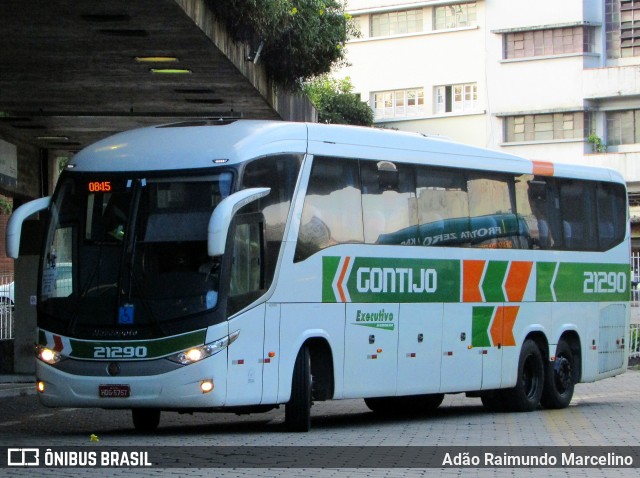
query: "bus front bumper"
177, 389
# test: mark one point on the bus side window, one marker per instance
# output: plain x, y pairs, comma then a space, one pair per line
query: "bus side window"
492, 221
442, 207
388, 202
534, 206
611, 202
332, 211
577, 213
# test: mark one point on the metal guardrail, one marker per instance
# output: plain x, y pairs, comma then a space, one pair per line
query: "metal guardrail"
6, 305
634, 341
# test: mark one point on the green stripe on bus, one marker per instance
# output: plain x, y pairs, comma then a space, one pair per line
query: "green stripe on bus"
85, 349
493, 280
481, 319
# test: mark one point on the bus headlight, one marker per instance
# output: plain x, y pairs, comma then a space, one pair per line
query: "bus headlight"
196, 354
47, 355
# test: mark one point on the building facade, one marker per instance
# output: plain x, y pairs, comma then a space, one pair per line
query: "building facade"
544, 79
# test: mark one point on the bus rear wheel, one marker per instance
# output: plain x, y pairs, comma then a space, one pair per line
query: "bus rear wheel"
297, 412
145, 419
525, 396
559, 380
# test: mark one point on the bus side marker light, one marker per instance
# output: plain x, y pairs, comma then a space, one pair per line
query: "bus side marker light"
372, 357
379, 351
40, 386
206, 385
448, 354
272, 354
411, 355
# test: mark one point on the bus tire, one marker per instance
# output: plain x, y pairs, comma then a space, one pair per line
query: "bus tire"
525, 396
560, 379
297, 412
145, 419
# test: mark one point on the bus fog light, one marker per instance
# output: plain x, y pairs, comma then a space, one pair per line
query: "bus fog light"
206, 386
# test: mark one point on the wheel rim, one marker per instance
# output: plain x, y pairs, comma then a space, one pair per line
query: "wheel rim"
562, 374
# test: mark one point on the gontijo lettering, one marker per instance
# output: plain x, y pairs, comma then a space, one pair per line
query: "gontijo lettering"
399, 279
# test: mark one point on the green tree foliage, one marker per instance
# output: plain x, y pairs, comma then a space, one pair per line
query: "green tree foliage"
300, 38
336, 103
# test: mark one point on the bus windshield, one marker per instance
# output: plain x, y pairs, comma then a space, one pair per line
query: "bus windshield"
126, 251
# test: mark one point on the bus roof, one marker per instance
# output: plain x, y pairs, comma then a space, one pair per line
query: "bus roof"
204, 143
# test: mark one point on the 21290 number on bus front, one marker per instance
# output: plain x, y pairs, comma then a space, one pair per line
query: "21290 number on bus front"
117, 352
604, 282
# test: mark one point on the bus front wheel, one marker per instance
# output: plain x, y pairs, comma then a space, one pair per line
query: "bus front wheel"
559, 380
145, 419
525, 396
297, 412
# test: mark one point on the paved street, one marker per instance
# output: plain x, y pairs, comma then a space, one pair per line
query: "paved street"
602, 414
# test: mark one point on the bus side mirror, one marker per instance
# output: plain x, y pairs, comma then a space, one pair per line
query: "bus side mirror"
14, 226
223, 214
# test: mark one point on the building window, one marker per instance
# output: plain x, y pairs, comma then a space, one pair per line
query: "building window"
398, 103
396, 23
551, 41
623, 127
622, 22
546, 127
454, 16
456, 98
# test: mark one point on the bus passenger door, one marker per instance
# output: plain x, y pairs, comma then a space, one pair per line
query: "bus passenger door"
271, 354
419, 356
245, 358
371, 346
461, 362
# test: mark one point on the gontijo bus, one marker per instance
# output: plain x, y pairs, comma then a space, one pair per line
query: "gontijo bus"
242, 265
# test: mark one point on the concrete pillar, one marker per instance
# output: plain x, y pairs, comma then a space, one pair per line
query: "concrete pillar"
25, 323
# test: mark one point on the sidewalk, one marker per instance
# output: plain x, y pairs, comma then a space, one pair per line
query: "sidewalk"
17, 385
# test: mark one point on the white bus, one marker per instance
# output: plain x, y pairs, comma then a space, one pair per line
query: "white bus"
242, 265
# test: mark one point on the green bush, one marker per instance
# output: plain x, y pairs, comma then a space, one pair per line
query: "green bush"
336, 103
300, 38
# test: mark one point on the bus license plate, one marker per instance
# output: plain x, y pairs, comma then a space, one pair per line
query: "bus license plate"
114, 391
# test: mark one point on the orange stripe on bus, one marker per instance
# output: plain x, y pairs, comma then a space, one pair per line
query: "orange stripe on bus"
502, 326
517, 280
543, 168
471, 276
343, 273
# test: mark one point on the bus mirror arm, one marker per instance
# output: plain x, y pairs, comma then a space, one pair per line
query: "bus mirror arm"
222, 216
14, 226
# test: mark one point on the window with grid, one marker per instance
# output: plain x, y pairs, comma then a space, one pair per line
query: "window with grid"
396, 23
622, 24
550, 41
456, 98
454, 16
623, 127
398, 103
546, 127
